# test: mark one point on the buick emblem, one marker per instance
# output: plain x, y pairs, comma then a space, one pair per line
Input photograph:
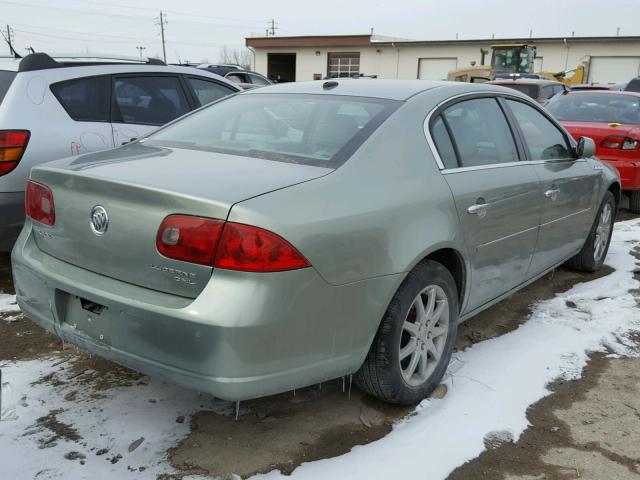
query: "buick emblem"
99, 220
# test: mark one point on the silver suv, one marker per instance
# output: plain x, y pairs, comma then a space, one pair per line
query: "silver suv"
56, 107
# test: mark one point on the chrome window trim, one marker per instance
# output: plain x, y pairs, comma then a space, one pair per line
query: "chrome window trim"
489, 94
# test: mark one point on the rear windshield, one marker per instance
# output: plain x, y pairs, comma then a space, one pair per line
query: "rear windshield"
5, 82
596, 107
529, 90
321, 130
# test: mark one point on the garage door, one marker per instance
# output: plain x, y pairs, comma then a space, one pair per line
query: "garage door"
436, 68
613, 69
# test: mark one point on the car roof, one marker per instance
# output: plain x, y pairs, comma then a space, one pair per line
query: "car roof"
106, 68
525, 81
369, 87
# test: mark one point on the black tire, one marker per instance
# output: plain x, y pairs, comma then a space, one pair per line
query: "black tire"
586, 260
381, 373
634, 201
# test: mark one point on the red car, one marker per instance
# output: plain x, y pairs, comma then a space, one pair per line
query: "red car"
612, 120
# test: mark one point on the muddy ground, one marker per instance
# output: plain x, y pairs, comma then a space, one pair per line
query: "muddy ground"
588, 429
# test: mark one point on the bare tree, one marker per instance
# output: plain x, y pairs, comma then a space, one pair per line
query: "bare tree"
235, 56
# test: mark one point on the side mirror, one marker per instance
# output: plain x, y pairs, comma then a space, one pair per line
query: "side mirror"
586, 148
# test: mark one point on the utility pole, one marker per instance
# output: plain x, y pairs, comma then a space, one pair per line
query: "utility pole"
273, 27
162, 21
140, 49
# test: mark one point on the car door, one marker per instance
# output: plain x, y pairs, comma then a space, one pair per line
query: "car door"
496, 195
142, 103
87, 101
568, 186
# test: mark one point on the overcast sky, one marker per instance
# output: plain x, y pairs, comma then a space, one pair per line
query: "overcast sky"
198, 28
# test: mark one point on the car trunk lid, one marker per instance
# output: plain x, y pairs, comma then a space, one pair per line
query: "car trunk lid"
138, 187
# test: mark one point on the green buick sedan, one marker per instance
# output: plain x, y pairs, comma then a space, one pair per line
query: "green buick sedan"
302, 232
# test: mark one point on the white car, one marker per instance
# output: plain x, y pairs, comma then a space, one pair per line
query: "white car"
56, 107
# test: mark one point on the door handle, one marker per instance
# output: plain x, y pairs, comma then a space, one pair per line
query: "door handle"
479, 209
552, 194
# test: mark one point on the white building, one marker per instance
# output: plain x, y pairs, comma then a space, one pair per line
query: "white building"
608, 59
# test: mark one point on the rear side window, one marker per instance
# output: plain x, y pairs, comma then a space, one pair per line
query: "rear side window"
85, 99
481, 133
528, 90
542, 138
319, 130
207, 91
443, 143
148, 100
5, 82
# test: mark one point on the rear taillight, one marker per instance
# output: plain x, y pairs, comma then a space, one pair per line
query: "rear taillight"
252, 249
12, 146
231, 246
620, 142
39, 203
188, 238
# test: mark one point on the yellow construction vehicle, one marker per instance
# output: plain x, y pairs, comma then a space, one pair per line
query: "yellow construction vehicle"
513, 60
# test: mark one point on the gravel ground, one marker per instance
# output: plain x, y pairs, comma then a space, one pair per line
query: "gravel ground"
588, 428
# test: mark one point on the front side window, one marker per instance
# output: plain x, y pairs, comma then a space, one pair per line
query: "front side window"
207, 91
542, 138
310, 129
344, 64
85, 99
481, 133
149, 100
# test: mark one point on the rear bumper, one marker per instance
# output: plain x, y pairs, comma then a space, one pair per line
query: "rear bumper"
11, 218
629, 171
245, 336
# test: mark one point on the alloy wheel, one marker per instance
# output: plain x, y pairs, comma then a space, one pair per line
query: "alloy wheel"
602, 232
424, 334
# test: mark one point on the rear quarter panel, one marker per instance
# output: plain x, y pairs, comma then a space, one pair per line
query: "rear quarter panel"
378, 214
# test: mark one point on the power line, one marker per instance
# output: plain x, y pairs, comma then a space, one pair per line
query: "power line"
77, 32
116, 15
173, 12
64, 37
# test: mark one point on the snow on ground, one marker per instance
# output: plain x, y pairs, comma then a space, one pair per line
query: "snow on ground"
490, 387
8, 303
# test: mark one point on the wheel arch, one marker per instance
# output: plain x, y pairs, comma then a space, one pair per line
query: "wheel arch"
616, 189
454, 262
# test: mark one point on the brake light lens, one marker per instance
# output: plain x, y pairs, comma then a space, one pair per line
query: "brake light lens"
188, 238
252, 249
12, 146
39, 204
231, 246
620, 142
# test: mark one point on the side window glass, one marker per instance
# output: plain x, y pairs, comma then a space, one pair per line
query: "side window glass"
257, 79
85, 99
481, 133
542, 138
149, 100
443, 144
207, 91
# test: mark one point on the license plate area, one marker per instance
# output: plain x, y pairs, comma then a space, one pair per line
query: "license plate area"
89, 318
